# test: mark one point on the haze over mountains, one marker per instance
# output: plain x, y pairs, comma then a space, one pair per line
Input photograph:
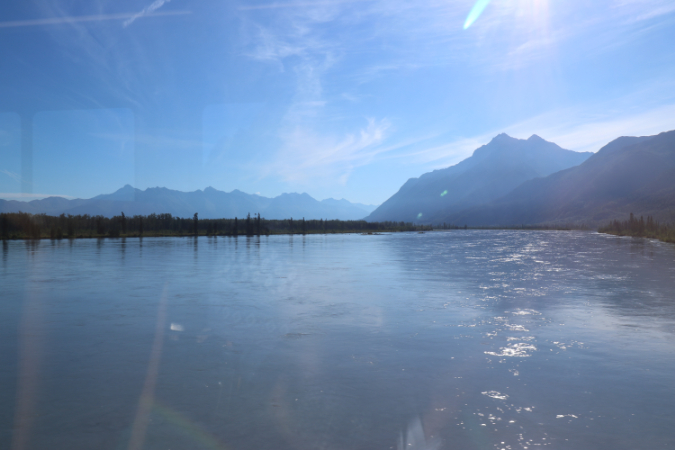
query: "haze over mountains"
491, 172
209, 203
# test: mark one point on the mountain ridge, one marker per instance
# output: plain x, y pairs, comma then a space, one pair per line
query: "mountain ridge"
628, 175
490, 172
208, 203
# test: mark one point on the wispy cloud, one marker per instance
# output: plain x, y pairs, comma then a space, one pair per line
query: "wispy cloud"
147, 10
444, 155
14, 176
95, 50
359, 42
509, 35
295, 40
299, 4
310, 156
296, 43
577, 129
589, 132
82, 19
645, 10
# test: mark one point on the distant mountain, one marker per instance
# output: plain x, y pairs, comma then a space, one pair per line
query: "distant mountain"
491, 172
303, 205
209, 203
630, 174
345, 204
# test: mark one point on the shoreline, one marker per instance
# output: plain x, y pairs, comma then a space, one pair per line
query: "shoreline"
359, 232
659, 237
634, 227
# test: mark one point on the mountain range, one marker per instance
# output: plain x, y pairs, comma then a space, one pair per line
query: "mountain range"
492, 171
512, 182
504, 183
628, 175
209, 204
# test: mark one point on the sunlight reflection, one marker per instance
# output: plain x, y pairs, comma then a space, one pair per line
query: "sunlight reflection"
475, 13
146, 400
196, 432
31, 349
415, 438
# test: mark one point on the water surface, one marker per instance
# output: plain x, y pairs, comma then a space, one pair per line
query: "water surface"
443, 340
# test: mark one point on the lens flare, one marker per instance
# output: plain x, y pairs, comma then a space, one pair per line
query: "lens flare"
444, 193
475, 13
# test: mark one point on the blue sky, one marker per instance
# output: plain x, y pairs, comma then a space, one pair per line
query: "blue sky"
336, 98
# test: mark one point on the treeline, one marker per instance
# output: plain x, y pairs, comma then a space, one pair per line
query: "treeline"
641, 228
41, 226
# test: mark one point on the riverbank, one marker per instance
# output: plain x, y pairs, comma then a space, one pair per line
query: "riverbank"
635, 227
17, 226
189, 235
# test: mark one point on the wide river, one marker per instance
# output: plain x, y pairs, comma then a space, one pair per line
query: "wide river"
443, 340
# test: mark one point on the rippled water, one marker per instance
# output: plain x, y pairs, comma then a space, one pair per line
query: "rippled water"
444, 340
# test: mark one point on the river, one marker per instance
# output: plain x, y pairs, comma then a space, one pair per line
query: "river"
463, 339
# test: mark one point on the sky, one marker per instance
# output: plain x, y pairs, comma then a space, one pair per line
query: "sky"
336, 98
